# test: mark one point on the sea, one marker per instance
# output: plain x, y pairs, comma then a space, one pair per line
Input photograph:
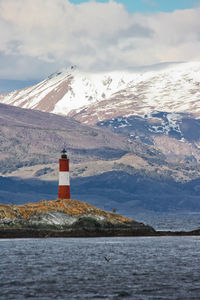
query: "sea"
104, 268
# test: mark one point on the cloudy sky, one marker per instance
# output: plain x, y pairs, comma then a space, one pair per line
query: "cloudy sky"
38, 37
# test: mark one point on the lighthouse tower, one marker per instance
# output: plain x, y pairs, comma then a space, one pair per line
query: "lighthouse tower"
64, 186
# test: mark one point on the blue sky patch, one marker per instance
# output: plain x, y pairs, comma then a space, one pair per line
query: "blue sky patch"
150, 5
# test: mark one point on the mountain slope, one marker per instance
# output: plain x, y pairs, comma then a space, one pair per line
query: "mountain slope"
106, 169
32, 141
91, 98
31, 138
145, 141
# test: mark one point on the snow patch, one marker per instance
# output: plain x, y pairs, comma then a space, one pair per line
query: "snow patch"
175, 90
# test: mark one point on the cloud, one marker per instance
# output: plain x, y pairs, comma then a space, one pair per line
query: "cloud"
95, 36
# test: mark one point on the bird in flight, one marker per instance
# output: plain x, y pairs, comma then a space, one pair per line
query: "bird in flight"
107, 259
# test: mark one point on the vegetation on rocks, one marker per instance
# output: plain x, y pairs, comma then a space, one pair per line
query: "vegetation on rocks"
66, 218
67, 206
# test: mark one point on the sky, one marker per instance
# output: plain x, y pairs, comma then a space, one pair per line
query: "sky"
150, 5
39, 37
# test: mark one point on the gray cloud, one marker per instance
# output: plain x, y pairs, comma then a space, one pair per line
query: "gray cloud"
13, 47
135, 30
50, 34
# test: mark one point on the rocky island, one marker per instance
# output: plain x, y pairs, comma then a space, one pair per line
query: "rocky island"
65, 218
71, 218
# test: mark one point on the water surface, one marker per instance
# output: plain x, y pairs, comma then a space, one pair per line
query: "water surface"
75, 268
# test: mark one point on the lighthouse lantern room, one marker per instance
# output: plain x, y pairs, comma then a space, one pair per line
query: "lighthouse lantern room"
64, 185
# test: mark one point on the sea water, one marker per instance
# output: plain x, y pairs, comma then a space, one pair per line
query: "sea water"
100, 268
171, 222
104, 268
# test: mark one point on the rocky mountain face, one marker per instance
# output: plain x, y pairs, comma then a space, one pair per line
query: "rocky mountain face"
176, 135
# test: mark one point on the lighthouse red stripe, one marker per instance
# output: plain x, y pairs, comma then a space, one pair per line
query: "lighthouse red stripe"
63, 164
64, 192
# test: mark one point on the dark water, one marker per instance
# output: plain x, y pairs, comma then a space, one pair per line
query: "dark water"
75, 268
171, 222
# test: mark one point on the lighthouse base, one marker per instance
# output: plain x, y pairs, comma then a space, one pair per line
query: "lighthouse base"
64, 192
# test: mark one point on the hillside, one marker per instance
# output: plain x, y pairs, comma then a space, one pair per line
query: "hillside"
107, 169
31, 137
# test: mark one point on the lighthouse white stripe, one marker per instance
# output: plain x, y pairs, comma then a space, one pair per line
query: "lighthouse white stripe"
63, 178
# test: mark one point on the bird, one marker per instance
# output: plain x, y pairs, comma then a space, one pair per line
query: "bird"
107, 259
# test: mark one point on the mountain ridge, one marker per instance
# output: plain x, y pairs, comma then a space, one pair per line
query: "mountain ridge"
93, 97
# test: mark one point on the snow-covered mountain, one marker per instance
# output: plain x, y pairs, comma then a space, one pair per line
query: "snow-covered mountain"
94, 97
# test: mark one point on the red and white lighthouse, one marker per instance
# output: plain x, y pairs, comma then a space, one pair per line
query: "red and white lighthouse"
64, 185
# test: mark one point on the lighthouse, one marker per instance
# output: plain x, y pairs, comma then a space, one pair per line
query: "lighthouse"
64, 185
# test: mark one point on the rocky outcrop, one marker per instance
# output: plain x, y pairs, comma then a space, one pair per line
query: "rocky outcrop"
65, 218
